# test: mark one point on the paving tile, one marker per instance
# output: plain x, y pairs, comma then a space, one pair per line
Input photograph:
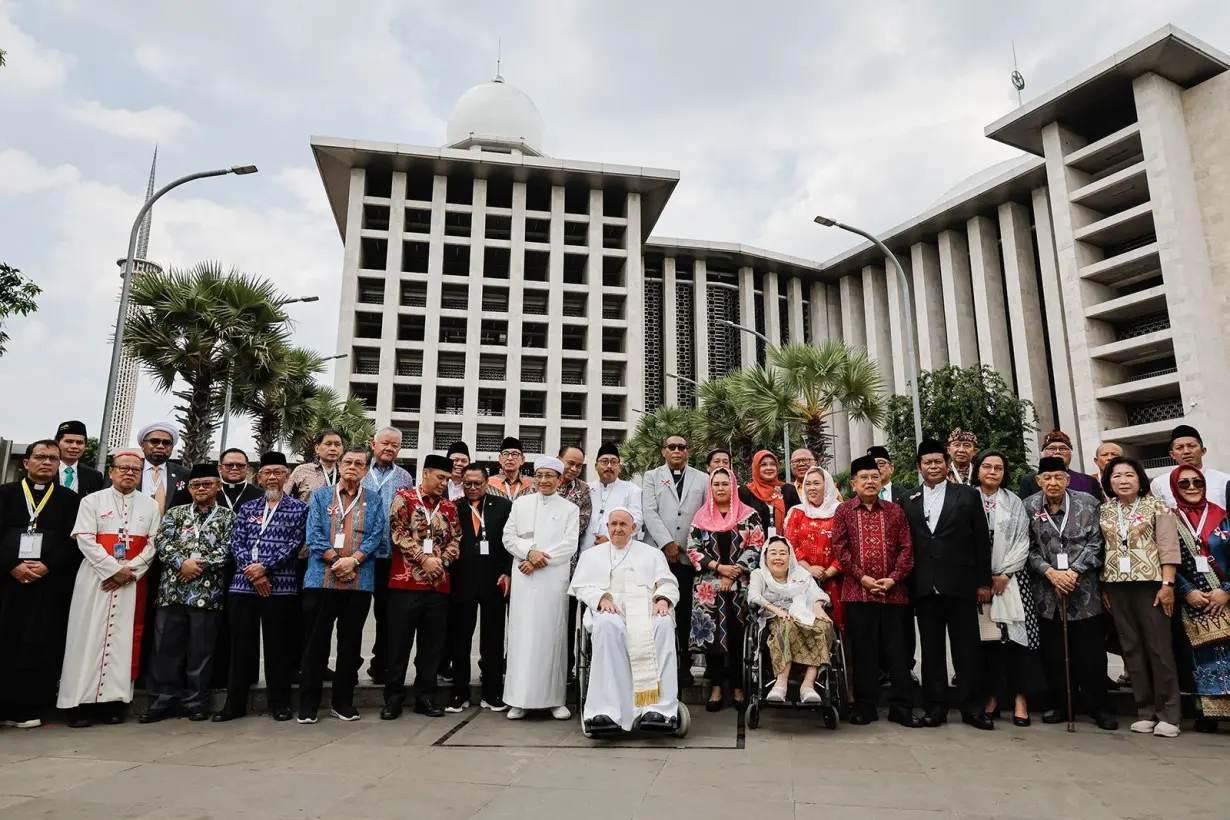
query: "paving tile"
714, 805
521, 803
237, 751
1125, 799
874, 790
60, 809
38, 777
595, 772
1016, 797
496, 767
397, 797
816, 759
812, 811
710, 770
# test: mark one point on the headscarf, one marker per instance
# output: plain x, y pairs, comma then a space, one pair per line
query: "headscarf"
710, 519
768, 491
799, 587
828, 506
1194, 512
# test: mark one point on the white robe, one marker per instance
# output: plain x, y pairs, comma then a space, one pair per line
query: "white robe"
639, 574
100, 656
537, 676
618, 493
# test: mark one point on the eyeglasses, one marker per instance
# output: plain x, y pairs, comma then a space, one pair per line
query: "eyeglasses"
1057, 448
510, 453
47, 457
235, 466
676, 447
159, 442
472, 484
1190, 483
200, 485
608, 462
802, 461
546, 475
127, 470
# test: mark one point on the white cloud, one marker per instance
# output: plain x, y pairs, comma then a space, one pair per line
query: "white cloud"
23, 174
156, 124
31, 68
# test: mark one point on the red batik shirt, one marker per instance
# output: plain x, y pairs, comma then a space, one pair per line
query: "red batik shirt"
873, 542
413, 517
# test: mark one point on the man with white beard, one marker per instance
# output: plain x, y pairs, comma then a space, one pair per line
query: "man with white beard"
542, 533
629, 592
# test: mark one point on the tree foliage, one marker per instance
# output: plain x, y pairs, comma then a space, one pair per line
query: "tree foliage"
325, 408
281, 401
17, 298
643, 449
976, 399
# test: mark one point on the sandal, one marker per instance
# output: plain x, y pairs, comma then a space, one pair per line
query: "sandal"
777, 694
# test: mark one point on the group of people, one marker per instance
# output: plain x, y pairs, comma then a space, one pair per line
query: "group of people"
186, 577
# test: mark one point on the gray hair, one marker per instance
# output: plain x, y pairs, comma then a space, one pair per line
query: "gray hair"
384, 430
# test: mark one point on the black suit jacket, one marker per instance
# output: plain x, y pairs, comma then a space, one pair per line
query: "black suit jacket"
473, 573
955, 560
176, 474
899, 493
789, 495
89, 480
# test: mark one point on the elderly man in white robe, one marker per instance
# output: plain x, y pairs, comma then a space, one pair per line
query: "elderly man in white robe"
542, 535
629, 594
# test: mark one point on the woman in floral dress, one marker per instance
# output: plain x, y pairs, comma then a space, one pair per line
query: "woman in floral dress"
809, 526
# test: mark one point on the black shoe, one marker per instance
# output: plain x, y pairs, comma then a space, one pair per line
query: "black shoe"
345, 712
305, 717
153, 716
601, 724
1108, 721
1053, 716
80, 723
863, 718
713, 705
1204, 725
995, 715
114, 719
979, 720
740, 704
227, 714
429, 707
457, 703
282, 715
905, 717
1022, 721
656, 722
390, 712
495, 703
935, 718
198, 717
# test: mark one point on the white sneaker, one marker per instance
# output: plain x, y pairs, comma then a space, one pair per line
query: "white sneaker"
1164, 729
1144, 727
776, 695
496, 705
516, 714
810, 695
23, 724
561, 713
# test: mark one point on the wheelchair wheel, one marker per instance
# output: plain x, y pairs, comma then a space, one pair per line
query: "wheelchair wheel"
752, 716
583, 650
831, 718
685, 721
753, 662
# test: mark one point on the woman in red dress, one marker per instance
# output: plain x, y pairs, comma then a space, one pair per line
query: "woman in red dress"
809, 526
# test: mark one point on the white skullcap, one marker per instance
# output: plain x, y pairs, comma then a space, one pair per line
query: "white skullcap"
622, 510
549, 463
165, 426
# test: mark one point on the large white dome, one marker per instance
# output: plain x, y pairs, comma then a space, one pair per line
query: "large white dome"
976, 181
495, 112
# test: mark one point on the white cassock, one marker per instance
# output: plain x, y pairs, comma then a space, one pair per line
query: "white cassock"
607, 497
632, 667
537, 676
104, 628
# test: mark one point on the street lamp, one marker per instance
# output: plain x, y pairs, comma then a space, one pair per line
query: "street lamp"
768, 343
677, 377
911, 360
104, 434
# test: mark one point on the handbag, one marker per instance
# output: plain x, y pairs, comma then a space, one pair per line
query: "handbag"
1205, 628
988, 629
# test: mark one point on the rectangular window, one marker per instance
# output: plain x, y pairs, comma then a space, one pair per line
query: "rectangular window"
497, 263
407, 398
456, 224
499, 227
460, 190
537, 266
414, 256
373, 253
409, 363
575, 265
454, 297
418, 220
371, 291
365, 393
378, 182
410, 329
452, 330
533, 335
365, 361
420, 183
414, 294
368, 325
376, 217
451, 365
456, 260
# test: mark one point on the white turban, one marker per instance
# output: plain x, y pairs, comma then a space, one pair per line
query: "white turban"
165, 426
549, 463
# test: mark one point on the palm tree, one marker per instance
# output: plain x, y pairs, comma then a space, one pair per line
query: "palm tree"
724, 420
192, 325
280, 402
643, 449
326, 409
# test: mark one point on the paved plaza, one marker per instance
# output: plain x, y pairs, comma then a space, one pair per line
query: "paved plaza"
481, 765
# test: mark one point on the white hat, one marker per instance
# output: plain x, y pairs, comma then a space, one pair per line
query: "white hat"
165, 426
625, 510
549, 463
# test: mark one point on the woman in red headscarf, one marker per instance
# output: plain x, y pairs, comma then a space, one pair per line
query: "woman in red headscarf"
768, 495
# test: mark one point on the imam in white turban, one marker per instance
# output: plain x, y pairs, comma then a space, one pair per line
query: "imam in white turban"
165, 426
549, 463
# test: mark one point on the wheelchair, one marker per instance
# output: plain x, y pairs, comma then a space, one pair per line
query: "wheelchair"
758, 677
678, 726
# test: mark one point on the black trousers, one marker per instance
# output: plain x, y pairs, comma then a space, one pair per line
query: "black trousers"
380, 606
321, 609
685, 575
1087, 658
251, 617
726, 668
873, 632
940, 615
421, 614
182, 664
297, 634
488, 613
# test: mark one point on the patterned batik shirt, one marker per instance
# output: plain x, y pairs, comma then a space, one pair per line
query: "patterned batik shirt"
876, 543
413, 518
308, 478
1078, 535
1152, 539
277, 548
186, 532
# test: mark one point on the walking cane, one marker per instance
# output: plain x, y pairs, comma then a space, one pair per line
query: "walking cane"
1067, 664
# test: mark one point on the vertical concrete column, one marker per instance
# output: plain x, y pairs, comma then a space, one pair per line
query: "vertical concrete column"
634, 281
516, 297
839, 425
876, 311
392, 303
1056, 318
794, 305
670, 332
929, 306
474, 312
1191, 299
900, 311
700, 318
747, 316
593, 331
431, 324
350, 287
1025, 314
958, 299
854, 329
818, 305
772, 314
555, 330
994, 349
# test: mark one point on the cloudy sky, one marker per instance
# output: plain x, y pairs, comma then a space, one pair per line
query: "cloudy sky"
772, 111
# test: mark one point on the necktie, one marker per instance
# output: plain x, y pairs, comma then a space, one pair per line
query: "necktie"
68, 477
478, 520
160, 490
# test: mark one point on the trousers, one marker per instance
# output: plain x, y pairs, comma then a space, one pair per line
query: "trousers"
941, 616
685, 574
1087, 657
251, 618
1148, 651
488, 613
610, 680
380, 606
876, 631
421, 614
322, 608
181, 666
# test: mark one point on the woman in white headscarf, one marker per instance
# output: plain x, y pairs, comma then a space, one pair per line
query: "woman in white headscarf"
809, 527
800, 631
1010, 623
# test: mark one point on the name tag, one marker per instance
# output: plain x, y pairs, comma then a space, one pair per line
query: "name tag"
1202, 564
339, 541
256, 555
772, 532
1061, 561
1125, 564
196, 556
30, 547
121, 549
427, 546
483, 549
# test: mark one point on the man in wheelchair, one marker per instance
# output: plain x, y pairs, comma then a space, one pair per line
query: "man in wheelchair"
629, 595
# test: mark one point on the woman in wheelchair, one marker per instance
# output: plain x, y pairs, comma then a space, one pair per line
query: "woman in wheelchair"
800, 630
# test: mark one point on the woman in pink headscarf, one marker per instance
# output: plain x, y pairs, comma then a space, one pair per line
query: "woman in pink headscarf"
724, 547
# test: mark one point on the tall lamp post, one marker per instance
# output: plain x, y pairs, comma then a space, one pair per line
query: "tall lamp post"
768, 343
230, 377
117, 347
904, 283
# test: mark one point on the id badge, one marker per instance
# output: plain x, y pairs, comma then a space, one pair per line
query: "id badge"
1061, 561
196, 556
483, 549
339, 541
772, 532
256, 555
121, 549
427, 546
1125, 564
31, 546
1202, 564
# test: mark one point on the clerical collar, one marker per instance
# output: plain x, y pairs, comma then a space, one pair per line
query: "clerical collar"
677, 472
40, 487
238, 485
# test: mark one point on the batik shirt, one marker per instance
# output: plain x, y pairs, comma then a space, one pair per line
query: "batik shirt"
362, 523
277, 548
1152, 540
186, 532
307, 479
413, 518
876, 543
1079, 536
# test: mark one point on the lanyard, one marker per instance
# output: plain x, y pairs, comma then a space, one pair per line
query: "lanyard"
337, 494
230, 505
1126, 520
1199, 527
264, 522
481, 512
380, 482
30, 508
429, 513
125, 515
204, 525
957, 475
989, 503
1050, 518
330, 480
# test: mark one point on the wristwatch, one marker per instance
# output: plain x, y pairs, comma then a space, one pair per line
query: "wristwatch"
1167, 583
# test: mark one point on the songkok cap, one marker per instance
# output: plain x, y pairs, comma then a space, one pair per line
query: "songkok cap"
1051, 464
165, 426
511, 443
435, 461
880, 451
458, 448
1054, 436
1186, 431
863, 463
206, 469
930, 446
608, 448
549, 463
70, 428
959, 435
273, 459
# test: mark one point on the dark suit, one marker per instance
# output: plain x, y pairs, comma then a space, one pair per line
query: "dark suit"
950, 565
473, 589
790, 496
89, 480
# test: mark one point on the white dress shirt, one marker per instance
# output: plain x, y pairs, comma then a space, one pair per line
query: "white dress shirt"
75, 484
933, 503
606, 497
147, 480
